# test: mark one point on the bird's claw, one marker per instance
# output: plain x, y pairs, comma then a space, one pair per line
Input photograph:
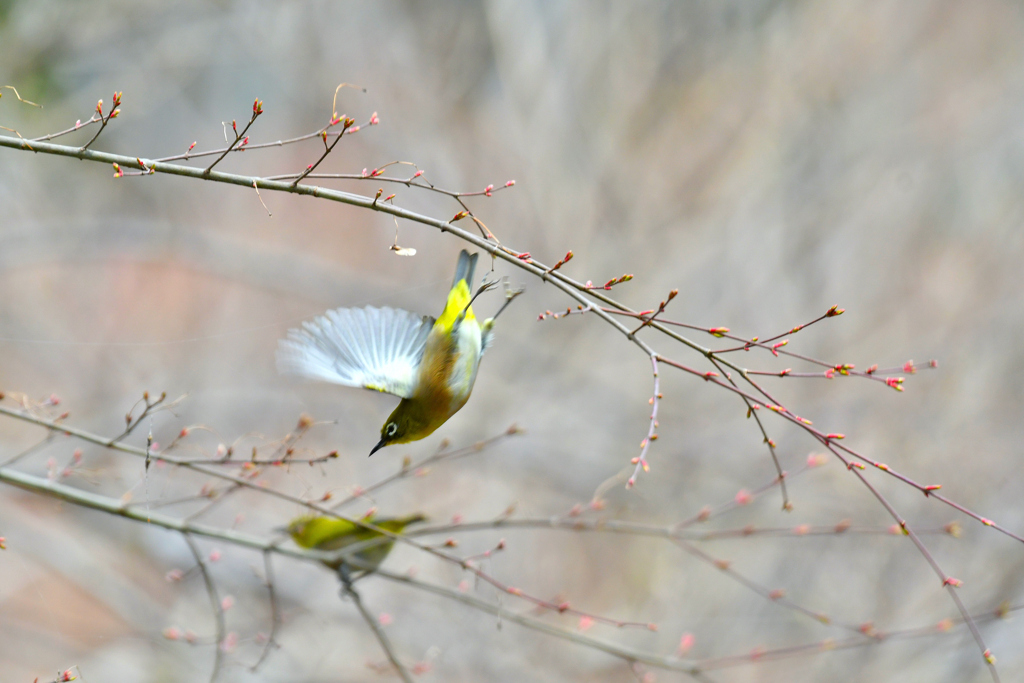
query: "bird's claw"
486, 285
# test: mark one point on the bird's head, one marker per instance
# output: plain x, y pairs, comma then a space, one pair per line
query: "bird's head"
407, 423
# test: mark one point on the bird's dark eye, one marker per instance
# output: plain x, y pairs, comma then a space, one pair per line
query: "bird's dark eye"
392, 428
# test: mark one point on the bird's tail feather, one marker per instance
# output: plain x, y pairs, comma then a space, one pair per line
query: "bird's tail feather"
465, 269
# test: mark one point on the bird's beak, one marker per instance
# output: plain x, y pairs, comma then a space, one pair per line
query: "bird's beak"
380, 444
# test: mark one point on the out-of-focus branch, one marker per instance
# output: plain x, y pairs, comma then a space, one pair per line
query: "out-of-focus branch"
275, 617
218, 611
378, 633
109, 505
410, 468
148, 455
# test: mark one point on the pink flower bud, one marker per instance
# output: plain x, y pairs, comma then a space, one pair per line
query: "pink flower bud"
229, 643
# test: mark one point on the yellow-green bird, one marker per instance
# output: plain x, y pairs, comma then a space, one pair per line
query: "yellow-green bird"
431, 364
331, 533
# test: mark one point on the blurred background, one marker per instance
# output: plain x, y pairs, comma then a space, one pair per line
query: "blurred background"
768, 159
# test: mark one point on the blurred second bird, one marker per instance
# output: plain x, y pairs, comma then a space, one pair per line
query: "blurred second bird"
329, 533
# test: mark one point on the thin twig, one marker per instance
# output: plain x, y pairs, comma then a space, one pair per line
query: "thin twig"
275, 618
378, 632
345, 125
104, 120
218, 611
29, 451
257, 109
410, 468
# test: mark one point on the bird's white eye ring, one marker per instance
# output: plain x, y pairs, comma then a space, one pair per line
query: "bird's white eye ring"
392, 428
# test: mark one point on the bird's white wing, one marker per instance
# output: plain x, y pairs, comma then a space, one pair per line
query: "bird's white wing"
375, 348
